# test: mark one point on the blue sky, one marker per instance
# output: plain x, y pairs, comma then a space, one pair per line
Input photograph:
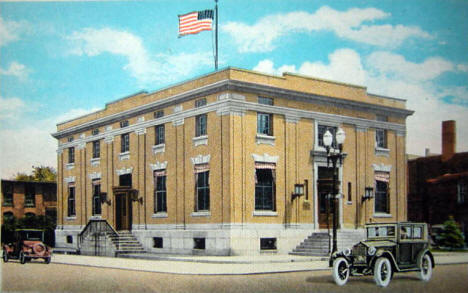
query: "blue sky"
63, 59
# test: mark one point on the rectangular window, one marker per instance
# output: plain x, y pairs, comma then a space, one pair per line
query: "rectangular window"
200, 125
30, 195
71, 201
381, 138
265, 124
7, 194
95, 131
265, 101
71, 155
96, 149
160, 193
198, 243
321, 130
96, 197
381, 197
200, 102
268, 244
69, 239
157, 242
123, 123
202, 190
461, 191
159, 134
159, 114
125, 143
70, 139
264, 189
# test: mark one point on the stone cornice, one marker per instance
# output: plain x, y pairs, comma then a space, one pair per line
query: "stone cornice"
235, 85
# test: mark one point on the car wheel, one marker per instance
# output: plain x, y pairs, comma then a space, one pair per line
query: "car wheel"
22, 258
47, 260
340, 271
425, 267
5, 256
382, 272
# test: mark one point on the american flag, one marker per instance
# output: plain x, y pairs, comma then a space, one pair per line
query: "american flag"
195, 22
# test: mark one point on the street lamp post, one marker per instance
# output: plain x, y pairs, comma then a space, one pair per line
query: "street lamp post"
335, 156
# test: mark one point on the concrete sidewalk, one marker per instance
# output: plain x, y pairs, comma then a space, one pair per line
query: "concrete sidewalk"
221, 265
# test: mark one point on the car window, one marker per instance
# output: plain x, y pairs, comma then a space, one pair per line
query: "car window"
381, 231
405, 232
417, 232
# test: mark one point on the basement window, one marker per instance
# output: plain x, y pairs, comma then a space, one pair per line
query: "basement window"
267, 243
198, 243
157, 242
69, 239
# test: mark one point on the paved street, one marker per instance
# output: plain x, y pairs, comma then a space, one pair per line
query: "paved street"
71, 278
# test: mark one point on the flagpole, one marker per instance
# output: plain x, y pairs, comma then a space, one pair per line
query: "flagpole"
216, 36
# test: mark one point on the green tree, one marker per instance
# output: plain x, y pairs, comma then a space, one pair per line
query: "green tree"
39, 174
451, 235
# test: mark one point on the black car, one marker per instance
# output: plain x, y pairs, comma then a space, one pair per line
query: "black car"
389, 248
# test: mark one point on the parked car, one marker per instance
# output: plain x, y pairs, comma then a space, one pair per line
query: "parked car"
28, 244
389, 248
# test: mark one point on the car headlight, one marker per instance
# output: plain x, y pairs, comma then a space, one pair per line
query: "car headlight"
371, 251
347, 252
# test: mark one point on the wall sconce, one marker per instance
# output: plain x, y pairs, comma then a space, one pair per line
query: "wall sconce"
104, 199
298, 191
369, 193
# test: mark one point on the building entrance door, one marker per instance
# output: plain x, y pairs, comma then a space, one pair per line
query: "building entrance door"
123, 211
324, 190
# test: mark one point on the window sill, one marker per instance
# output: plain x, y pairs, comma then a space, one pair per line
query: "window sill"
159, 215
200, 140
159, 148
349, 202
201, 214
265, 139
70, 218
70, 166
7, 205
124, 156
95, 162
382, 152
382, 215
29, 206
265, 213
96, 217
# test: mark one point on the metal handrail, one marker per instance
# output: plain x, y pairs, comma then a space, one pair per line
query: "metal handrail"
96, 226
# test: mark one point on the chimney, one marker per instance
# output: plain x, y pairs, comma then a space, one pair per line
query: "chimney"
449, 139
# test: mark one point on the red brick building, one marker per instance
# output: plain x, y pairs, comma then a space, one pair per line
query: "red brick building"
21, 198
438, 185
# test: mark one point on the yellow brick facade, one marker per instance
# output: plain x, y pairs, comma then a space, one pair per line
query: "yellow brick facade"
232, 225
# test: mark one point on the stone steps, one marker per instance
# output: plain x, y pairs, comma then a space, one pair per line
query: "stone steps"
126, 243
317, 244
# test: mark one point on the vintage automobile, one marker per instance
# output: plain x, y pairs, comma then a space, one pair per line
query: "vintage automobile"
28, 244
389, 248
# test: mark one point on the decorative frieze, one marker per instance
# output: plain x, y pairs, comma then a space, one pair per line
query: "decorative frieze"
124, 156
159, 148
382, 167
158, 166
95, 175
200, 159
265, 139
178, 109
231, 96
265, 158
124, 171
69, 179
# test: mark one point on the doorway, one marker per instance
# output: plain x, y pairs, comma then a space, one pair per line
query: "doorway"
324, 189
123, 211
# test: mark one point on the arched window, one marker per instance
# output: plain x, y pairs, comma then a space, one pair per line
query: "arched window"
28, 215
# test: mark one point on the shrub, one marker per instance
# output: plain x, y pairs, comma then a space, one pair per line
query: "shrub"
451, 236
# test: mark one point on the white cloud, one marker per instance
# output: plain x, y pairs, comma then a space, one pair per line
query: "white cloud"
350, 24
462, 67
392, 75
11, 31
29, 143
397, 67
140, 64
10, 108
344, 65
16, 69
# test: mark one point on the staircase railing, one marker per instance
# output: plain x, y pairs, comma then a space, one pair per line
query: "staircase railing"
95, 227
